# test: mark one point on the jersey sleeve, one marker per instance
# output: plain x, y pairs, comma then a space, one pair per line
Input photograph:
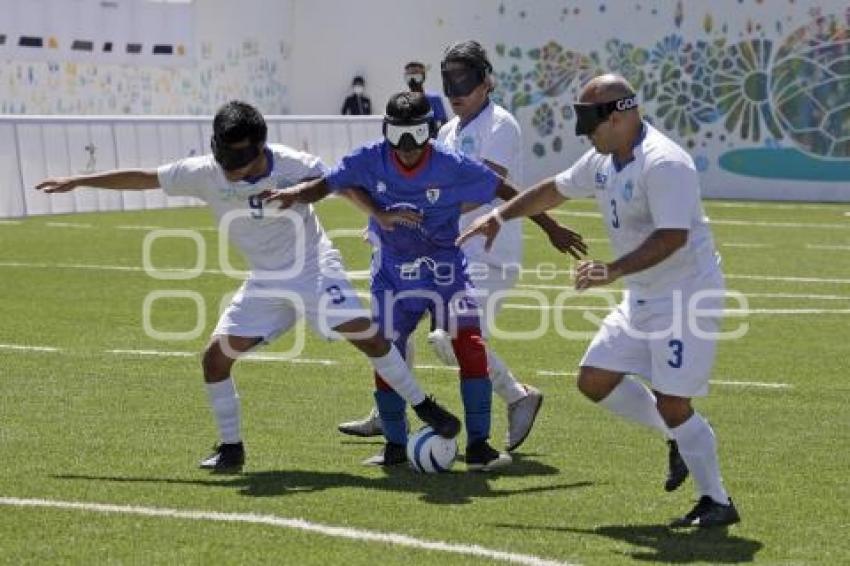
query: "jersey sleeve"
673, 192
185, 178
578, 180
480, 182
352, 170
501, 146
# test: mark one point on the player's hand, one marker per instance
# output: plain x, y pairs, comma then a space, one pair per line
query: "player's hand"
487, 225
57, 185
284, 197
566, 241
594, 274
388, 219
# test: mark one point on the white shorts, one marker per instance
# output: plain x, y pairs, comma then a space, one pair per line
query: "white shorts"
487, 285
322, 294
662, 340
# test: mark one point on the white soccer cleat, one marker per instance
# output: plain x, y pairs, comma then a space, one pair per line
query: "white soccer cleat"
521, 416
441, 343
368, 426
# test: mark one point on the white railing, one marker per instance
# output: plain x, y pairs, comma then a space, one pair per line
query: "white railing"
35, 147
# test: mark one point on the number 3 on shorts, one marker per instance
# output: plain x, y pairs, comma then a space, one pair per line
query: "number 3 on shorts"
678, 351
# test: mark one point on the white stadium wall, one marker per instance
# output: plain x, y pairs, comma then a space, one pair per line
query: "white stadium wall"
35, 147
758, 91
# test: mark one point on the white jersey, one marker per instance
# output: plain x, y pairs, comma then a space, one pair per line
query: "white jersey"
658, 189
268, 240
493, 135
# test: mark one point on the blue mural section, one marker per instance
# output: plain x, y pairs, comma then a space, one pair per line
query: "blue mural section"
778, 103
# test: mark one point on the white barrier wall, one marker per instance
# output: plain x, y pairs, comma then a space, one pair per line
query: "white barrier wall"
35, 147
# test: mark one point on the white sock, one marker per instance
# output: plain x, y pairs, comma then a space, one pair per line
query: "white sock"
633, 401
505, 384
393, 369
225, 406
698, 448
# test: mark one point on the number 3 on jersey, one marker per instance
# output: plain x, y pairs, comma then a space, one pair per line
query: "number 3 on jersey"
256, 204
615, 220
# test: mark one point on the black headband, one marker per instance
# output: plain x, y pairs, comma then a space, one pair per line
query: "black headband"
589, 116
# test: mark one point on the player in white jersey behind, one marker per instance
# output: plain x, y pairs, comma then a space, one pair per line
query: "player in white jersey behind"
295, 270
486, 132
667, 325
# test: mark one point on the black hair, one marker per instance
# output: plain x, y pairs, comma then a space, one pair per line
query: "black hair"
469, 52
408, 107
237, 120
414, 64
358, 80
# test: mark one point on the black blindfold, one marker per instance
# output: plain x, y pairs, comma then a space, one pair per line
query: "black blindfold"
589, 116
231, 158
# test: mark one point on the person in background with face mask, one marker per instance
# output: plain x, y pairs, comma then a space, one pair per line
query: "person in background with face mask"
414, 76
357, 103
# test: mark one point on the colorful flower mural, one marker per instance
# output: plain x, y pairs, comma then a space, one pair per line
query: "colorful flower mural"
790, 95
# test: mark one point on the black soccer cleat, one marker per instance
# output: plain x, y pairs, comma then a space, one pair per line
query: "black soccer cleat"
443, 422
709, 513
481, 457
391, 454
677, 470
227, 458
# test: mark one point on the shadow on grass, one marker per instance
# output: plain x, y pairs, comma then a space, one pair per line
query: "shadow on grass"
452, 488
674, 546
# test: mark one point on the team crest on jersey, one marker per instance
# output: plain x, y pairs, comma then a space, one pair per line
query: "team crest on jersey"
601, 179
432, 194
628, 190
381, 187
467, 145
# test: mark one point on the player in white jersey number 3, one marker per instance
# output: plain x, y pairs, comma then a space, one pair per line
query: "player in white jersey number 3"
667, 325
295, 270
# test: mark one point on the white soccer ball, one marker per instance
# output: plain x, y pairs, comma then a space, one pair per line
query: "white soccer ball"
430, 453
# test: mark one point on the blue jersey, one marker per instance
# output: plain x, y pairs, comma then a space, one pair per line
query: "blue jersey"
436, 189
436, 102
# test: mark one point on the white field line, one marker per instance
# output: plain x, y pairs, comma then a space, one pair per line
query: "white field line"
726, 222
145, 228
361, 535
252, 357
24, 348
363, 274
765, 205
437, 368
826, 247
10, 222
760, 384
592, 293
69, 225
744, 245
728, 312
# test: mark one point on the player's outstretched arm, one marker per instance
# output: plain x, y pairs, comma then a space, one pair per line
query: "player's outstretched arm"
387, 219
119, 180
306, 192
660, 245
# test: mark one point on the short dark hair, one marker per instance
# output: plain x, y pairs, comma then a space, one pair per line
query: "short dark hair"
405, 107
469, 52
358, 80
414, 64
237, 120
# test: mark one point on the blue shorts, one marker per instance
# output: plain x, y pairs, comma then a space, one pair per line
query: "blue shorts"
403, 291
